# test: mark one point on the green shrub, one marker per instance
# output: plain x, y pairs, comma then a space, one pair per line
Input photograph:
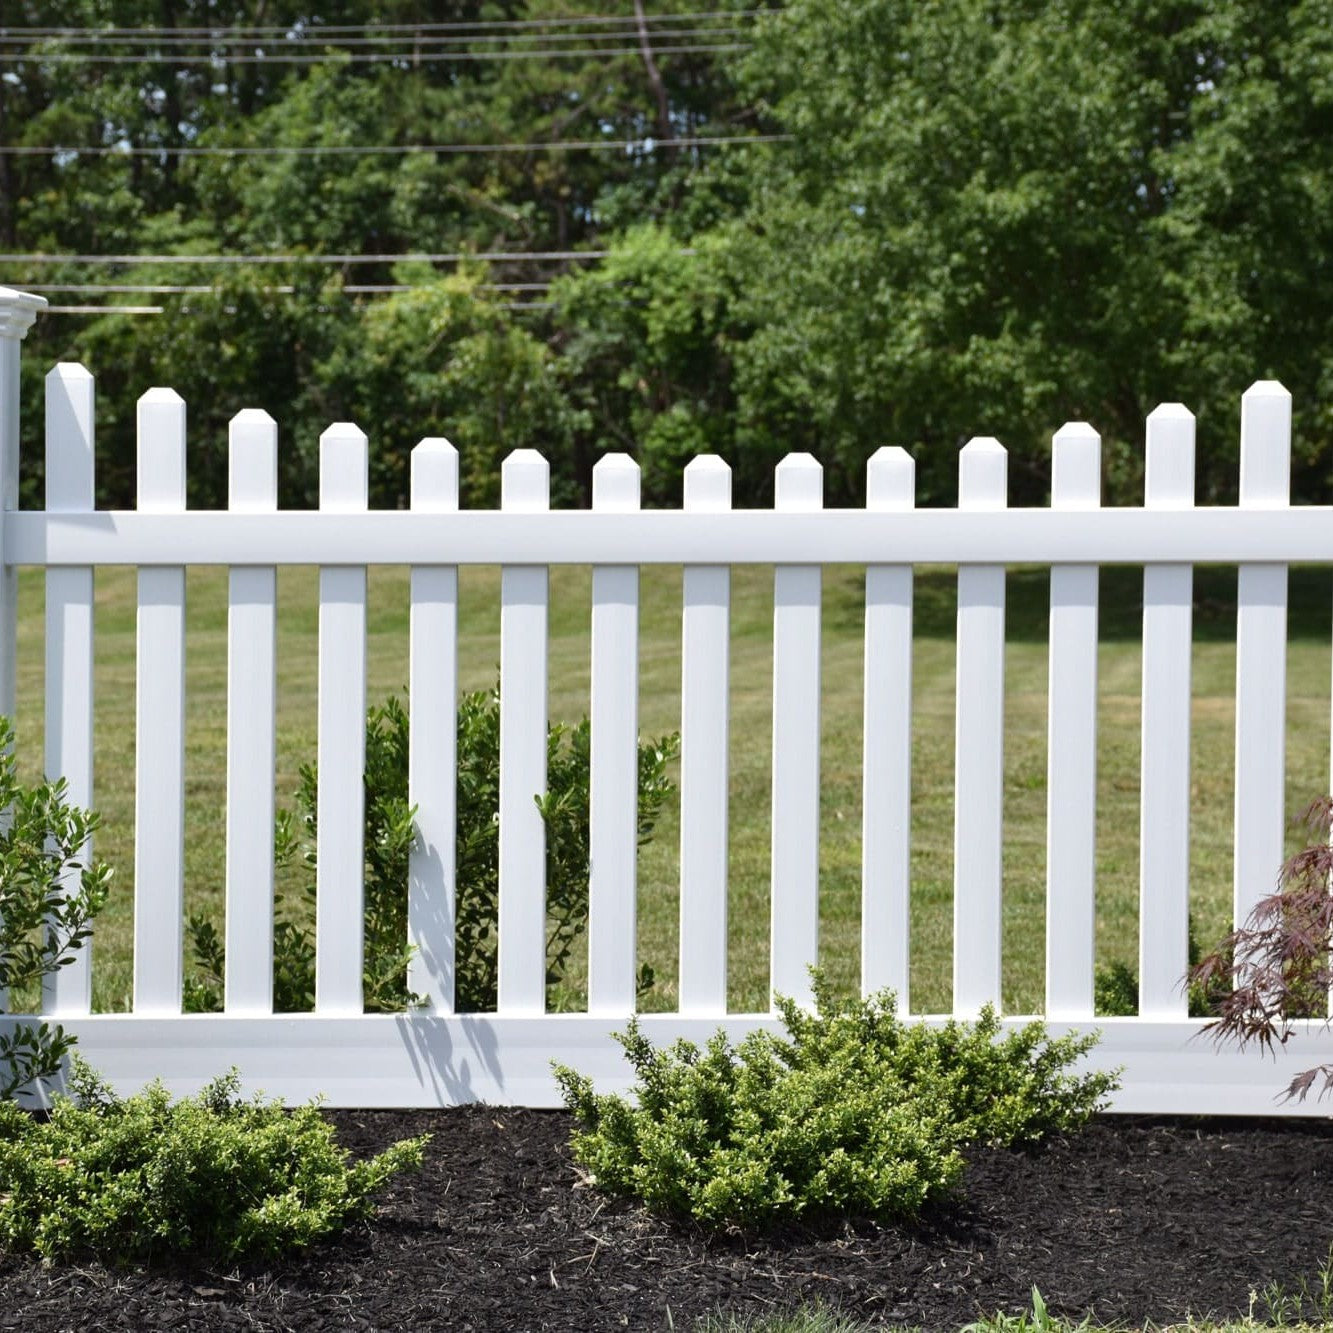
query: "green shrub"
144, 1178
1116, 988
43, 920
389, 833
853, 1113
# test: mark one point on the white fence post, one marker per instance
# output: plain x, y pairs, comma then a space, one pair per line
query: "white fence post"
614, 759
69, 646
159, 797
1071, 785
340, 802
1164, 785
795, 835
432, 781
704, 755
979, 747
17, 312
1261, 656
525, 487
886, 805
252, 488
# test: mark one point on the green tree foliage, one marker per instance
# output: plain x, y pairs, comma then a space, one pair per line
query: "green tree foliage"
997, 216
990, 216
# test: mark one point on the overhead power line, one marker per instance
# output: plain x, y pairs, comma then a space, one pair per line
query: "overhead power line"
319, 37
356, 57
107, 288
443, 257
351, 150
590, 20
185, 310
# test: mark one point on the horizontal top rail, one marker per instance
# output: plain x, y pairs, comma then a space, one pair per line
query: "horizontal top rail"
581, 537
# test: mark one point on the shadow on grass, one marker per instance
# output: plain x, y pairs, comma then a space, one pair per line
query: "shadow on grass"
1027, 603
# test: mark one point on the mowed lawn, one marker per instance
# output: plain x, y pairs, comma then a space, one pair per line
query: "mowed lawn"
751, 680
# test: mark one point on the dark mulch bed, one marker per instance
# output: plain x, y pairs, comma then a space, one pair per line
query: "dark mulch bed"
1135, 1219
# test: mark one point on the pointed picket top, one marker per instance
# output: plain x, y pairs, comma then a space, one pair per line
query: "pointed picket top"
435, 476
616, 484
525, 482
798, 484
891, 478
161, 453
707, 484
69, 438
983, 474
252, 462
344, 468
1265, 446
1168, 481
17, 311
1076, 467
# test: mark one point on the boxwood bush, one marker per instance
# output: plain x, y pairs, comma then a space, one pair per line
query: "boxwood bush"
853, 1113
143, 1178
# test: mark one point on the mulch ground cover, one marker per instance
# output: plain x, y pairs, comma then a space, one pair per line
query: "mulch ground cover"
1134, 1219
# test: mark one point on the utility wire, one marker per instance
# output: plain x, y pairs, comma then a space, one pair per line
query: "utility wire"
355, 57
185, 310
350, 150
455, 26
316, 39
106, 288
447, 257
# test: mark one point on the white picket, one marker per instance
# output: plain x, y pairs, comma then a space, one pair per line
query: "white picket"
1164, 785
797, 590
340, 800
704, 749
252, 599
159, 798
525, 487
979, 746
69, 646
1261, 656
886, 805
432, 762
1071, 784
614, 759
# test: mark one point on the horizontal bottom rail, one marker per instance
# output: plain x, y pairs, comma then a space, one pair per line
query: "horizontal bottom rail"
425, 1060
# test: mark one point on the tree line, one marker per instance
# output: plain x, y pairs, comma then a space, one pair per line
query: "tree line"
921, 223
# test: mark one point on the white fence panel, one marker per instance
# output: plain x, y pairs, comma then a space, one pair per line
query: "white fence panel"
795, 835
704, 743
69, 645
1071, 785
614, 759
886, 818
252, 693
1261, 655
979, 746
340, 799
159, 788
1164, 787
432, 778
525, 487
440, 1057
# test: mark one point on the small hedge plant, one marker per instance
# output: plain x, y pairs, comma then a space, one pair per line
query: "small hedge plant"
854, 1114
143, 1178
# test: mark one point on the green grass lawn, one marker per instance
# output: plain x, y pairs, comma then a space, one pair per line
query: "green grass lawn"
933, 686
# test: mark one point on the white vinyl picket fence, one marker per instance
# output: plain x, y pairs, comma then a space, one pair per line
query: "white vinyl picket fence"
434, 1056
